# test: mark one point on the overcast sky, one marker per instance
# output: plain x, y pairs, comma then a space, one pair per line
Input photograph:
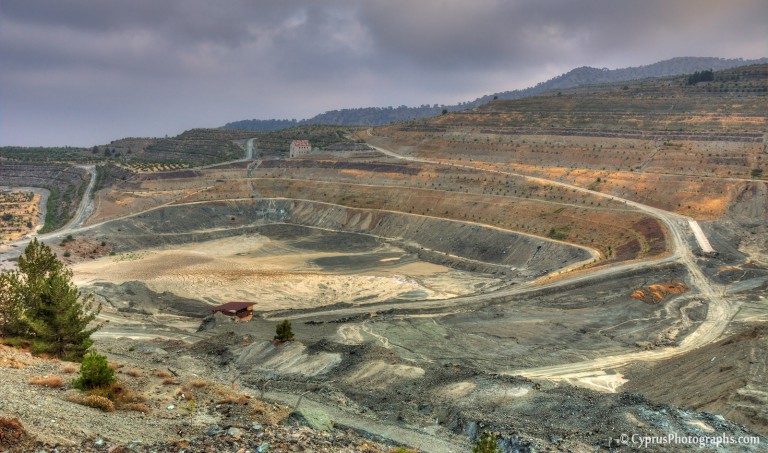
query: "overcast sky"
84, 72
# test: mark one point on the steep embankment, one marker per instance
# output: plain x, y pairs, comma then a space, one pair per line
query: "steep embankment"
726, 378
462, 244
66, 185
687, 148
617, 234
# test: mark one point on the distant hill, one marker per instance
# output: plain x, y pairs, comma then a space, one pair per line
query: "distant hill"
365, 116
585, 75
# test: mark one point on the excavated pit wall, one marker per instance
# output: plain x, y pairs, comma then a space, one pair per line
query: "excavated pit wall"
459, 244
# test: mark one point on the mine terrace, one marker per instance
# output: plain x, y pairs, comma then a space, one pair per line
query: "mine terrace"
552, 266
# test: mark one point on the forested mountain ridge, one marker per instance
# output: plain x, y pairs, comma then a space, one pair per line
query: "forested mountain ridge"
585, 75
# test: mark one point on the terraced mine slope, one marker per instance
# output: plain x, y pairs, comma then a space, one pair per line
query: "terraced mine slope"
65, 183
559, 270
19, 212
684, 148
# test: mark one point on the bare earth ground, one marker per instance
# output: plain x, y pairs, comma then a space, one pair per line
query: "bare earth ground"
411, 365
373, 355
15, 202
277, 276
193, 410
356, 255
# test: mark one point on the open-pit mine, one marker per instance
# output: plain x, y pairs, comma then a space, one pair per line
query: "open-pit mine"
559, 269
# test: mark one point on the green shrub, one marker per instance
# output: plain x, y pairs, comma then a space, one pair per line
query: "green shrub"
486, 444
283, 331
94, 372
16, 342
554, 233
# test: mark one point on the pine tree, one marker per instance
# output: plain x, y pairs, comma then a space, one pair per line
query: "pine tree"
283, 331
36, 264
94, 372
11, 306
38, 261
40, 304
60, 320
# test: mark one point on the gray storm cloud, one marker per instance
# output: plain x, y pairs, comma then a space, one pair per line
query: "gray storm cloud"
83, 72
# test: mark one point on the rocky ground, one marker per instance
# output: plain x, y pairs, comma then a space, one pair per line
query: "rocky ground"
431, 377
455, 398
179, 413
231, 392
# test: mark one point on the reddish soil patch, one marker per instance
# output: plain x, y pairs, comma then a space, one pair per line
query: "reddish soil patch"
82, 248
12, 434
654, 294
618, 234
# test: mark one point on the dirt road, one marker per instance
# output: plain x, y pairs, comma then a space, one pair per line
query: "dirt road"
84, 209
422, 439
719, 312
249, 149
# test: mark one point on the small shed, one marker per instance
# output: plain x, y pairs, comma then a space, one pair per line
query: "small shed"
241, 310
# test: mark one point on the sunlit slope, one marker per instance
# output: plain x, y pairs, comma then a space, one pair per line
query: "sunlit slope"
665, 142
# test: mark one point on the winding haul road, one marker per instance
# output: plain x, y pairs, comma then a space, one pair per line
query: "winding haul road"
84, 210
719, 310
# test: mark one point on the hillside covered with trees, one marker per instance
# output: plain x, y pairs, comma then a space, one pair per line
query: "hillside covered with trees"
585, 75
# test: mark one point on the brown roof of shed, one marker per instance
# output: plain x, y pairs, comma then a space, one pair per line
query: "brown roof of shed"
232, 306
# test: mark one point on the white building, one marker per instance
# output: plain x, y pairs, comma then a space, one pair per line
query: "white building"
299, 148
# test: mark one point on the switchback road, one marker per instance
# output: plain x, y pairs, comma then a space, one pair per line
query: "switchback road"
719, 310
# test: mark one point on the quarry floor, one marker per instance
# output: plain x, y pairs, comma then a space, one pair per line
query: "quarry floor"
390, 333
379, 336
278, 275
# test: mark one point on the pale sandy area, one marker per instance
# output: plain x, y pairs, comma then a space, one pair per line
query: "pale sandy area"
273, 274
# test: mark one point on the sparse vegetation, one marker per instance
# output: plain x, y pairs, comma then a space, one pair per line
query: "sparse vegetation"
135, 407
69, 368
133, 372
48, 381
118, 394
554, 233
94, 372
283, 331
199, 383
486, 444
170, 381
94, 401
11, 432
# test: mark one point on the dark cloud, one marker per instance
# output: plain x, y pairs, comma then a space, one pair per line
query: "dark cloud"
83, 72
498, 33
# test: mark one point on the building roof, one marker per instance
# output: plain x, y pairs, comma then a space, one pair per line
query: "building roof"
232, 307
301, 142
